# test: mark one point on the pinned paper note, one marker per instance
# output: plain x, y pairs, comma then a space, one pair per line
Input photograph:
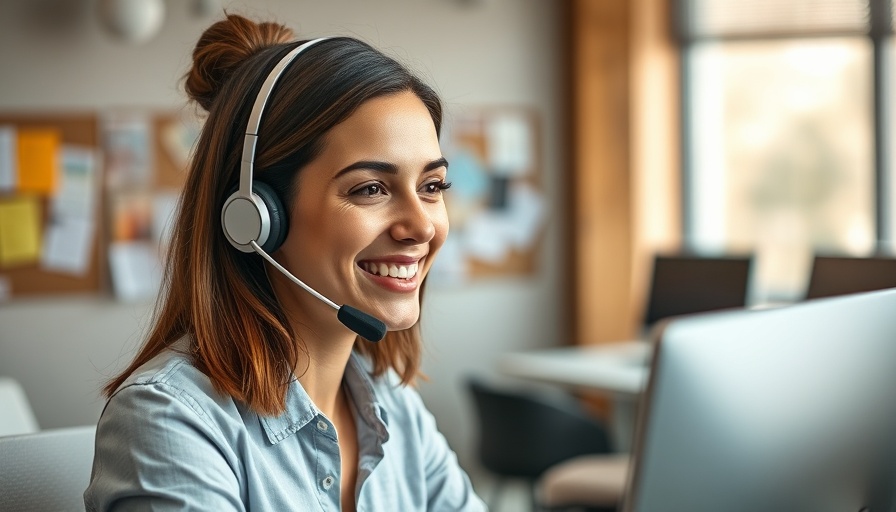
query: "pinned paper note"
79, 188
509, 141
136, 270
127, 143
37, 151
8, 161
68, 246
19, 231
526, 210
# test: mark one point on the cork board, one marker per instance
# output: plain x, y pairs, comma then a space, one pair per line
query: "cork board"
31, 279
85, 130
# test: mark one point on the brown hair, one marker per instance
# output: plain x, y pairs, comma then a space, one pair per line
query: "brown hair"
216, 295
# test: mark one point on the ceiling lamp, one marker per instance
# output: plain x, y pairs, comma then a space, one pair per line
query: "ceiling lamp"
133, 21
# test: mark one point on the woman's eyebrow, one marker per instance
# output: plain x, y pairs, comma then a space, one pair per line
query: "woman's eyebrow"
435, 164
386, 167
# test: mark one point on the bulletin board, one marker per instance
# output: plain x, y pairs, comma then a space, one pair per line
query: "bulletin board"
496, 205
31, 279
162, 140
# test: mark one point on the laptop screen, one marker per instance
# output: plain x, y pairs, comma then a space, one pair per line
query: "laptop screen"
780, 409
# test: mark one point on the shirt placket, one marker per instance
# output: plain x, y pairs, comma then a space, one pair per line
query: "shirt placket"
328, 472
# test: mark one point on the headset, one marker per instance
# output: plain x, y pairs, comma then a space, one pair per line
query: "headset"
253, 219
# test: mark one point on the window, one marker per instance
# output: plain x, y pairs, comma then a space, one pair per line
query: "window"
781, 120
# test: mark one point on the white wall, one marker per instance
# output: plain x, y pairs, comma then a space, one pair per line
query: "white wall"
54, 56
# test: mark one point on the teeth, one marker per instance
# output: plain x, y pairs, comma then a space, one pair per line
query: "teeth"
391, 270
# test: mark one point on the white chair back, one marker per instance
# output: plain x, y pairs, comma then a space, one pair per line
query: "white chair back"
16, 416
46, 471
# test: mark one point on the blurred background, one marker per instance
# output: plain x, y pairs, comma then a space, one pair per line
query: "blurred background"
585, 137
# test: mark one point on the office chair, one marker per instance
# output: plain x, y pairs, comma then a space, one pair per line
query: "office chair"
594, 483
683, 284
16, 416
521, 434
841, 275
47, 470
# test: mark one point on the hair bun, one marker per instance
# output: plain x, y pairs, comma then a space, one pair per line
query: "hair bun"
222, 48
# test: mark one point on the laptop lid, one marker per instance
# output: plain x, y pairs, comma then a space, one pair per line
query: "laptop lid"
790, 409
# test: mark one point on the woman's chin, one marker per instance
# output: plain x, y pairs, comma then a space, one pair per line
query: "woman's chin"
400, 326
399, 321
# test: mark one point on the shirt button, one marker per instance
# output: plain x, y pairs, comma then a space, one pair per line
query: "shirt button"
328, 482
322, 425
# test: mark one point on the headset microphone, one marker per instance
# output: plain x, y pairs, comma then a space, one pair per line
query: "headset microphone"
253, 219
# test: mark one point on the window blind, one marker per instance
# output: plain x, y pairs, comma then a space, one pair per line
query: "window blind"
723, 19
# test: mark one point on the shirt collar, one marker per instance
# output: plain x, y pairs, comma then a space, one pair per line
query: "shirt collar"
360, 386
300, 410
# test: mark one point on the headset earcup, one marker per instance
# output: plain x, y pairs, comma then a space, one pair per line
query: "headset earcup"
278, 217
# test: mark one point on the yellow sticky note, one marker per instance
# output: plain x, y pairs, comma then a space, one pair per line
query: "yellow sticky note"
38, 155
19, 231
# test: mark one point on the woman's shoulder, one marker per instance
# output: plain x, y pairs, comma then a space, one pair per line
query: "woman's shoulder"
170, 377
173, 366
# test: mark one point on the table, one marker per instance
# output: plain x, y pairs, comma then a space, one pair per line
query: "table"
619, 370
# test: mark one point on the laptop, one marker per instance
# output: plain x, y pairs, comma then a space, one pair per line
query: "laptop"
789, 409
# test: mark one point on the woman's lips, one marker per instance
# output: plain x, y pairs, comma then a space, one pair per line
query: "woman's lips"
390, 269
392, 275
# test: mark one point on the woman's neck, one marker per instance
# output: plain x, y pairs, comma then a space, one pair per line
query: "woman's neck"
322, 372
325, 345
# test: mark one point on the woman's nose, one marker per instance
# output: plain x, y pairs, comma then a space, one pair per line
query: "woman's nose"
413, 223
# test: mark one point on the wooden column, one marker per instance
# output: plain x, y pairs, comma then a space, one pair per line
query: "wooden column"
623, 185
600, 182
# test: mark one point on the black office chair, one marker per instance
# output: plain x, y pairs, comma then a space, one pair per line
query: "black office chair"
841, 275
522, 433
685, 283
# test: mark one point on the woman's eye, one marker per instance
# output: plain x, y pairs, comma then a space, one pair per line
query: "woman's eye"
370, 190
435, 187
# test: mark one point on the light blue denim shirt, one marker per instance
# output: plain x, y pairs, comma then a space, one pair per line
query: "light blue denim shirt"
168, 441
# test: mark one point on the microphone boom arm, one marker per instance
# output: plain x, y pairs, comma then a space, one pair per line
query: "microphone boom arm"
361, 323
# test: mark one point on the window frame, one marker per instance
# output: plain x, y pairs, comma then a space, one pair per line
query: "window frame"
879, 32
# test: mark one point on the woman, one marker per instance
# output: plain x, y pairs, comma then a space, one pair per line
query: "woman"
249, 392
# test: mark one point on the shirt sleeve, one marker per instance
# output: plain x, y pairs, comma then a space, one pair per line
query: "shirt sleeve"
447, 484
155, 450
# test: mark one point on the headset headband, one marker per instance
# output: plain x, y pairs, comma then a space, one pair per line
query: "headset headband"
247, 163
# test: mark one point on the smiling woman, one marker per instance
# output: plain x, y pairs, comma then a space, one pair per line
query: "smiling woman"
249, 392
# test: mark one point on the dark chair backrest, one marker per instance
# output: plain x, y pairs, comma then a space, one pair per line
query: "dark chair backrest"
523, 433
684, 284
842, 275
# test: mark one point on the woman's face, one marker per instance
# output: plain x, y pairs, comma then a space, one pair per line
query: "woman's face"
368, 216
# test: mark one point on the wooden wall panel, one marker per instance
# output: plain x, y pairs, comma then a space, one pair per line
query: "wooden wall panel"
624, 184
600, 185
